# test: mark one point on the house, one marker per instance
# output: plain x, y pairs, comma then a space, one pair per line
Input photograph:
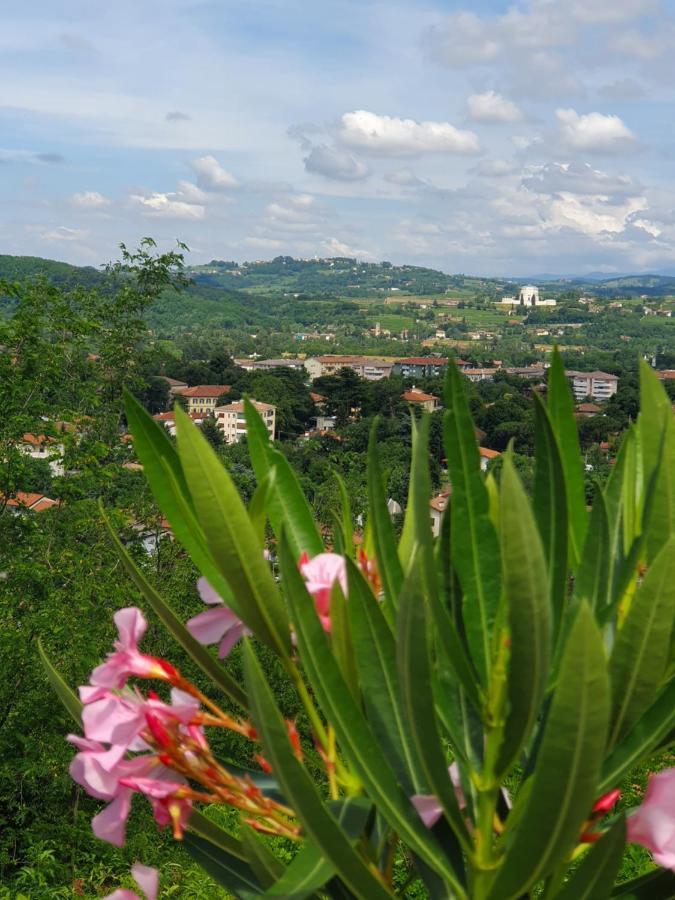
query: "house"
437, 506
369, 367
486, 456
420, 366
598, 385
479, 374
40, 446
168, 420
267, 364
231, 419
526, 371
587, 410
666, 374
24, 501
175, 385
527, 297
203, 398
425, 401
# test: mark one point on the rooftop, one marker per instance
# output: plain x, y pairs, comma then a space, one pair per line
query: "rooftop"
414, 396
205, 390
423, 361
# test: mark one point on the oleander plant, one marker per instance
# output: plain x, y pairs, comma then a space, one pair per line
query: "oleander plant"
470, 703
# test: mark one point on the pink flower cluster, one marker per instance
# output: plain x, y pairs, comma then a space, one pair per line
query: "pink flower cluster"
146, 878
118, 720
653, 823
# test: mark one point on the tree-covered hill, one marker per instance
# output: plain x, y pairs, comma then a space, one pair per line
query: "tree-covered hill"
19, 268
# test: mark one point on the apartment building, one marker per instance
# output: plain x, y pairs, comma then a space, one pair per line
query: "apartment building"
420, 366
369, 367
203, 398
231, 419
479, 374
598, 385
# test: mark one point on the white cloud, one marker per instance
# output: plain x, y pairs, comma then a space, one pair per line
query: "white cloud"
63, 233
333, 162
165, 206
335, 247
211, 174
495, 168
89, 200
392, 136
492, 108
294, 213
264, 243
610, 11
594, 132
190, 193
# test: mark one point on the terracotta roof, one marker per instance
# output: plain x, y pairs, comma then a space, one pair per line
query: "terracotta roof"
238, 406
37, 440
423, 361
418, 397
31, 501
316, 398
205, 390
174, 382
440, 502
486, 453
588, 407
171, 416
666, 374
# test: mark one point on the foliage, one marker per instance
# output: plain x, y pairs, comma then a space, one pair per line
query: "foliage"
476, 649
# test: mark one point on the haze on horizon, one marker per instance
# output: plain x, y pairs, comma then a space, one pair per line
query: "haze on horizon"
481, 137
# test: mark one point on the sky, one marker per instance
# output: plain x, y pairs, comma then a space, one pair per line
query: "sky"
473, 136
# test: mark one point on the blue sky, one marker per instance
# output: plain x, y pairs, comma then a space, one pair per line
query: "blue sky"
483, 137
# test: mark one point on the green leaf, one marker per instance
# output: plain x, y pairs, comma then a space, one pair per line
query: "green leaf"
550, 507
198, 654
657, 425
163, 471
640, 653
224, 868
526, 590
642, 740
375, 651
561, 412
656, 885
257, 507
346, 515
564, 782
593, 581
475, 548
231, 538
341, 640
386, 554
264, 864
356, 739
415, 676
216, 835
66, 695
594, 877
302, 794
417, 522
287, 507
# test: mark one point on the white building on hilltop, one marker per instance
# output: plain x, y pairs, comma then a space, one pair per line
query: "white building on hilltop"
528, 296
231, 420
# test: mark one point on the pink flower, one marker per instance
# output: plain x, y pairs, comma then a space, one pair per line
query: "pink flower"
320, 574
127, 659
219, 624
146, 878
427, 805
653, 823
168, 800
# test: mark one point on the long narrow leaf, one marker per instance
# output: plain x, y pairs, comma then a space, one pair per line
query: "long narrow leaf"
66, 695
382, 529
594, 877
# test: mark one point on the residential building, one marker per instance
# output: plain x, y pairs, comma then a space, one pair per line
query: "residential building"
231, 419
528, 296
437, 506
598, 385
526, 371
420, 399
203, 398
370, 367
587, 410
420, 366
265, 364
168, 420
314, 336
23, 501
175, 386
480, 374
486, 455
666, 374
40, 446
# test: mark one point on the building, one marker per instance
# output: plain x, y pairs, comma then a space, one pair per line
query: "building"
369, 367
486, 456
266, 364
420, 366
420, 399
480, 374
23, 501
526, 371
587, 410
175, 386
231, 419
203, 398
598, 385
437, 506
528, 296
39, 446
168, 420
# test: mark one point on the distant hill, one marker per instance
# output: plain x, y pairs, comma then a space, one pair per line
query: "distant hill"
19, 268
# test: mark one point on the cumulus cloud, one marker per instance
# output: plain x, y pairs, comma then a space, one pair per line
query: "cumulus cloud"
580, 178
392, 136
166, 206
89, 200
495, 168
211, 174
492, 108
334, 162
300, 212
335, 247
610, 11
176, 115
63, 233
594, 132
